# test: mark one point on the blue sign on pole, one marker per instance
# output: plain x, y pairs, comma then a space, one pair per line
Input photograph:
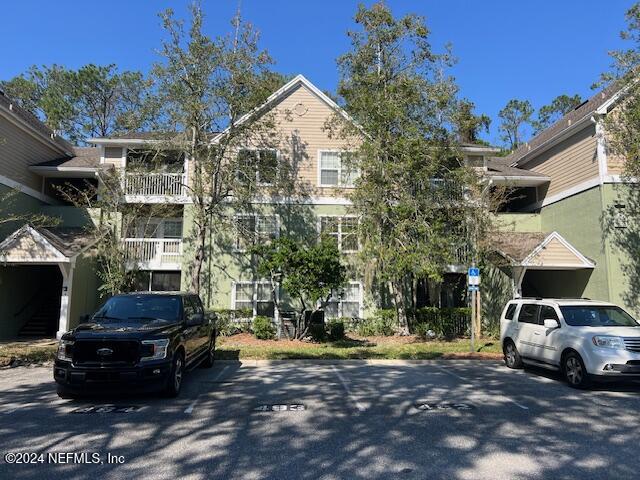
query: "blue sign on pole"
474, 272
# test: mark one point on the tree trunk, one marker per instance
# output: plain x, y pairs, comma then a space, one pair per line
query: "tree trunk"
198, 259
401, 311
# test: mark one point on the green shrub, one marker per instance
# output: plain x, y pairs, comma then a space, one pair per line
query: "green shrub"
263, 328
384, 323
444, 322
317, 332
335, 328
229, 322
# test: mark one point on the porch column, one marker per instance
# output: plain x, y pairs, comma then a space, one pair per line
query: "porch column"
65, 298
517, 277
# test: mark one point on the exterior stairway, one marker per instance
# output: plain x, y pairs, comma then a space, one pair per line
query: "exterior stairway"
44, 321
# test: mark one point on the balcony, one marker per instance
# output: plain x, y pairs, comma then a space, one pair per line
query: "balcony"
153, 253
143, 187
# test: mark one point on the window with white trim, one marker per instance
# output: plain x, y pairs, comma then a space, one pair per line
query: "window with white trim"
346, 303
251, 229
254, 296
344, 230
337, 169
156, 228
259, 166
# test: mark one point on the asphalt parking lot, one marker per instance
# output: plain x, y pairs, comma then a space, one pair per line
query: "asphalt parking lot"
315, 419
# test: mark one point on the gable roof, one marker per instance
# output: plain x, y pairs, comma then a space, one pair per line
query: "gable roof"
31, 244
286, 89
574, 119
539, 250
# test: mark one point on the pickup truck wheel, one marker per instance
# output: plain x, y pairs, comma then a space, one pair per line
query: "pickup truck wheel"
574, 371
174, 382
210, 356
511, 356
64, 393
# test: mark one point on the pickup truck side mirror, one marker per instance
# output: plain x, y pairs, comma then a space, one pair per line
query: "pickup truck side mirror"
551, 323
195, 319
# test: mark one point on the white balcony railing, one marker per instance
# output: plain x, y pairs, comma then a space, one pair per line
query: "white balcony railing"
154, 184
154, 253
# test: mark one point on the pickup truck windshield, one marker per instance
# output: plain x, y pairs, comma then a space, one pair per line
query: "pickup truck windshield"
140, 309
587, 316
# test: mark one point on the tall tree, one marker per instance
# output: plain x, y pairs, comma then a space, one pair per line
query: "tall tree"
467, 124
513, 117
551, 113
393, 87
93, 101
206, 86
621, 220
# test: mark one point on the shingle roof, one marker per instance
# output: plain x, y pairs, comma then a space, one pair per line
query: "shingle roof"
33, 121
68, 240
86, 157
501, 168
585, 110
516, 246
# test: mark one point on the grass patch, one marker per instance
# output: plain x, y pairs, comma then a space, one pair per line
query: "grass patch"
231, 348
25, 354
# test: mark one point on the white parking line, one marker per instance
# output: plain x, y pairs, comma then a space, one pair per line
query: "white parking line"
450, 373
192, 405
517, 404
359, 406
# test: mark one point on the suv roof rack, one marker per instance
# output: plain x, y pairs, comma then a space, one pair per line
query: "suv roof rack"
552, 298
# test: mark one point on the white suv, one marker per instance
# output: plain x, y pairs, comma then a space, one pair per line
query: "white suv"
584, 339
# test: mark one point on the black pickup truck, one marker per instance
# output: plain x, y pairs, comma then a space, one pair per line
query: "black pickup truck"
137, 341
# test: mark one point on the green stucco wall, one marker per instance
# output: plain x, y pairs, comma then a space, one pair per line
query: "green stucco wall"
84, 293
224, 266
578, 219
519, 222
15, 204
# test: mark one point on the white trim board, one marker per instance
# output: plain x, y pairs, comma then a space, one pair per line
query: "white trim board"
26, 190
586, 263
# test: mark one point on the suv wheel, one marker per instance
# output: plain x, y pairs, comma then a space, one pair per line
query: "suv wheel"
511, 356
210, 356
574, 371
174, 382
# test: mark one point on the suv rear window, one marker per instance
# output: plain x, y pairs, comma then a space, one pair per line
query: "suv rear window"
528, 313
511, 310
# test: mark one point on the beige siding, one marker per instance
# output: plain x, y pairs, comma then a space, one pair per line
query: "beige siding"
569, 163
556, 254
25, 248
300, 118
113, 156
19, 150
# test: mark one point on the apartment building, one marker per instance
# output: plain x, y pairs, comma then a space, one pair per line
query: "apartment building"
542, 248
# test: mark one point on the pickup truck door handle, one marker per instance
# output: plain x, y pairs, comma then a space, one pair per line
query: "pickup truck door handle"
536, 333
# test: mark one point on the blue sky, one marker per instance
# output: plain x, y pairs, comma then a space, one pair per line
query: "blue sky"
506, 48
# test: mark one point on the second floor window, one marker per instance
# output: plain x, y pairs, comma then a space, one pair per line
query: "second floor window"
251, 229
259, 166
337, 169
343, 229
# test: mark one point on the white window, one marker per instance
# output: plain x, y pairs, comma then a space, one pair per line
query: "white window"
156, 228
346, 303
251, 229
336, 169
259, 166
254, 296
343, 229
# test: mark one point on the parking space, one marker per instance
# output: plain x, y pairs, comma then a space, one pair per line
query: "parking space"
314, 419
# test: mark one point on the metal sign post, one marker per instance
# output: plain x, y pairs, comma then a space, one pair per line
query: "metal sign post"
473, 286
